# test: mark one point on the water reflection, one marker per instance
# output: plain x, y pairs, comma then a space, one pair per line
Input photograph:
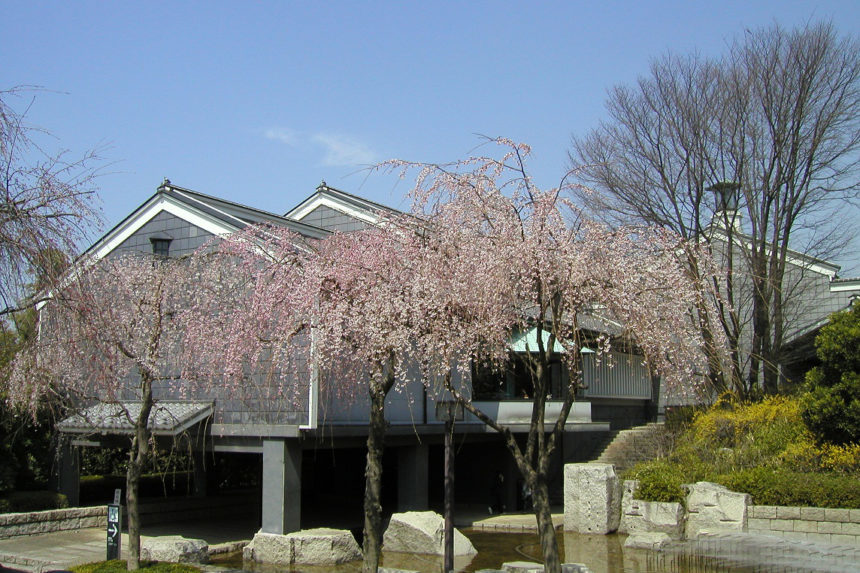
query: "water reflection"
601, 553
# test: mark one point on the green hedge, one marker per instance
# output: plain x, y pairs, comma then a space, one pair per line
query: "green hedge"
660, 480
26, 501
99, 489
784, 487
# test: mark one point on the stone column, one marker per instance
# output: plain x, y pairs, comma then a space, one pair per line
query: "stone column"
282, 486
592, 498
412, 478
69, 472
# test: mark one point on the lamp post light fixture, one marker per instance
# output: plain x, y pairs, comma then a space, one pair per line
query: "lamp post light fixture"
726, 194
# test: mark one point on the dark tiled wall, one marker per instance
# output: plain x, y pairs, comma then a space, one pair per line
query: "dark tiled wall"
185, 237
331, 220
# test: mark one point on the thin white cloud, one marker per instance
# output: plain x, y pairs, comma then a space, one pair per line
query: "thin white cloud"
283, 135
338, 149
343, 150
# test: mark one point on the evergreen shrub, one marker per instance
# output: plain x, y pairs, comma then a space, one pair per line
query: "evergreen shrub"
761, 448
784, 487
27, 501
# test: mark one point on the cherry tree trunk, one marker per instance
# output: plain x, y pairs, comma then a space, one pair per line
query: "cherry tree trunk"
137, 457
546, 530
372, 545
132, 484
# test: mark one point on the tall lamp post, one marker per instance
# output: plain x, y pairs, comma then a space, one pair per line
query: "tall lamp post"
727, 198
449, 412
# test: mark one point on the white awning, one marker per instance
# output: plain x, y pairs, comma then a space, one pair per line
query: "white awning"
527, 341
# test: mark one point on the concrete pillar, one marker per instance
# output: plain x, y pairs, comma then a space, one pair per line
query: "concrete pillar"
412, 478
282, 486
199, 473
68, 474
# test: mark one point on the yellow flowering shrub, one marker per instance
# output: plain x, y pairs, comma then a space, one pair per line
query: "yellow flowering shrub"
761, 448
734, 435
843, 458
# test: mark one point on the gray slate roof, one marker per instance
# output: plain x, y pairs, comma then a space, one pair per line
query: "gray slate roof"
168, 417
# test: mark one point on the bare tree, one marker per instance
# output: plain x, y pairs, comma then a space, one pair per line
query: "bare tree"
47, 203
777, 118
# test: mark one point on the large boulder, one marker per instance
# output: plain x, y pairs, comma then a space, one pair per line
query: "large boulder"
320, 546
522, 567
713, 507
174, 548
422, 532
592, 498
653, 541
269, 548
639, 516
530, 567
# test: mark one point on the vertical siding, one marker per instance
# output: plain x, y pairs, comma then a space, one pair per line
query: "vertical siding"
618, 375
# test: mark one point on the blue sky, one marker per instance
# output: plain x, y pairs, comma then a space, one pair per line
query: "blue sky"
258, 102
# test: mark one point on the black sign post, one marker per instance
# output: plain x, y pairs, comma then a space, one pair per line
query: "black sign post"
114, 527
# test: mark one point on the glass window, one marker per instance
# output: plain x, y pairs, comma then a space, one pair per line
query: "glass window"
160, 247
516, 381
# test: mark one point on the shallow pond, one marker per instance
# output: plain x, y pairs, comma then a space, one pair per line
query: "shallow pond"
602, 554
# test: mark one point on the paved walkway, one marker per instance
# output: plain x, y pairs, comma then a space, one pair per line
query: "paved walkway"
58, 551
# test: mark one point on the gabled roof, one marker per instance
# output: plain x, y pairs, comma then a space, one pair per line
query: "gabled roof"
815, 264
346, 203
217, 216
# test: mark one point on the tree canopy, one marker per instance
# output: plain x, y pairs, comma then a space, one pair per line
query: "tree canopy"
48, 203
831, 407
501, 256
776, 118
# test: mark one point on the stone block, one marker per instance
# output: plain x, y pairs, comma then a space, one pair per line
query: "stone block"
322, 546
592, 498
842, 539
784, 512
422, 532
174, 548
851, 528
639, 516
795, 535
522, 567
763, 511
782, 524
713, 507
650, 541
818, 537
574, 568
806, 526
841, 515
854, 515
755, 524
812, 513
269, 548
829, 527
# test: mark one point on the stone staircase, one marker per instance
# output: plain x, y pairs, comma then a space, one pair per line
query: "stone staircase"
628, 447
